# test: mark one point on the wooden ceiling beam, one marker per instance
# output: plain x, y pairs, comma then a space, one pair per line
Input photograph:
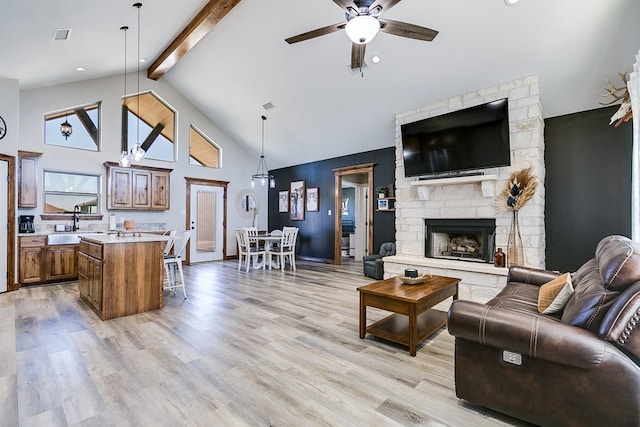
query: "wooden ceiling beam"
203, 22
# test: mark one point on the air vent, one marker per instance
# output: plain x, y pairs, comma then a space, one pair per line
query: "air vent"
61, 34
268, 106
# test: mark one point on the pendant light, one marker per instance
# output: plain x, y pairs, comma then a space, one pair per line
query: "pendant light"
262, 173
137, 152
65, 128
125, 158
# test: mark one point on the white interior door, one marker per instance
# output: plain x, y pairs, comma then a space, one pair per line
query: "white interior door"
207, 215
4, 173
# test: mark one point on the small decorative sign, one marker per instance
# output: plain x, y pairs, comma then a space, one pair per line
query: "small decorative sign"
383, 204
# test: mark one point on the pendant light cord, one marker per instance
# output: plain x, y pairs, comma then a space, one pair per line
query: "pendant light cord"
138, 5
125, 28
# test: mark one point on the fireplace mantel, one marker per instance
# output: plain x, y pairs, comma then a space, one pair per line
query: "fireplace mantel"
486, 182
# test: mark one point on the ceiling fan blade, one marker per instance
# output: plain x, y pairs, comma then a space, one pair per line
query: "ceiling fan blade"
316, 33
346, 4
357, 55
384, 5
411, 31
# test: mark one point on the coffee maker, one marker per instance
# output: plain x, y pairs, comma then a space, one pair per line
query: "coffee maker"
25, 224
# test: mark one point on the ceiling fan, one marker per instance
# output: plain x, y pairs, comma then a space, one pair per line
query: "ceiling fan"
363, 23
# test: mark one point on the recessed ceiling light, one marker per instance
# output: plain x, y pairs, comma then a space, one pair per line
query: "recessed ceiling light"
142, 60
510, 2
80, 69
376, 58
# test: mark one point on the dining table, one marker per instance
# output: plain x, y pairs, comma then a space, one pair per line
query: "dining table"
267, 240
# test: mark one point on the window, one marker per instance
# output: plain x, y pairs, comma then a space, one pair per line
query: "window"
157, 126
202, 151
84, 124
63, 191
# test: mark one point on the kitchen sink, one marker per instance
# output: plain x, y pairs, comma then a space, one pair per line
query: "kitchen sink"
68, 238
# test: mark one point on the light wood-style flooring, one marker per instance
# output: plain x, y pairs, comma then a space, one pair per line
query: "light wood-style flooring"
264, 348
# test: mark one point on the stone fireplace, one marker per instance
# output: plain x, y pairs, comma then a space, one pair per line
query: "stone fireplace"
471, 240
472, 197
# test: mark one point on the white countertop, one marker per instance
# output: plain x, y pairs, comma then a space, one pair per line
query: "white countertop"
128, 238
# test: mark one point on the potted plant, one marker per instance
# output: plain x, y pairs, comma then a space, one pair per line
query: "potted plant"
382, 192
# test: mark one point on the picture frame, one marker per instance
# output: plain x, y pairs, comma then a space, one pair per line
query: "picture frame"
296, 200
383, 204
313, 201
283, 201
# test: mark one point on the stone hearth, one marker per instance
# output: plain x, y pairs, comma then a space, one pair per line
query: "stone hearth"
473, 197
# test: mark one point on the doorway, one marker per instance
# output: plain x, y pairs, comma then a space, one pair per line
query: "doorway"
7, 213
362, 175
207, 220
355, 195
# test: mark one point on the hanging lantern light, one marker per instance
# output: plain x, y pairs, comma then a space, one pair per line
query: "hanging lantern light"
65, 128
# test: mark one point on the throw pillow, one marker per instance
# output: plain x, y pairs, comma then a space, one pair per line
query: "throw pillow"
554, 294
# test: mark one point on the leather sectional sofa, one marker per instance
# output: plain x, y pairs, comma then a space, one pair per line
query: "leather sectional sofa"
577, 367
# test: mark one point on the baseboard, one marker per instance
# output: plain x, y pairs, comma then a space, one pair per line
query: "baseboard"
314, 259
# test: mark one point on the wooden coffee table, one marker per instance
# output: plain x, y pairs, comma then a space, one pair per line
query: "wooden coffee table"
414, 317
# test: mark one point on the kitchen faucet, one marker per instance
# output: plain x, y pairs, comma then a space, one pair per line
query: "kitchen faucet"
76, 217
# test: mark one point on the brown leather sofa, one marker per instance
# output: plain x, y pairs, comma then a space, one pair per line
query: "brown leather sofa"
578, 367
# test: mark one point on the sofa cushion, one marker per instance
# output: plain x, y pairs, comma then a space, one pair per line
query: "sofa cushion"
554, 294
618, 261
590, 301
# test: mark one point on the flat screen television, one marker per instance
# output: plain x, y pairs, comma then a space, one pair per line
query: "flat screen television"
466, 140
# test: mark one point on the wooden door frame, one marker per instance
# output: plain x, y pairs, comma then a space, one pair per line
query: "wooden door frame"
12, 283
207, 183
366, 168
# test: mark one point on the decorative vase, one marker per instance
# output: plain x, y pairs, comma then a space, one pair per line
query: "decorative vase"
515, 252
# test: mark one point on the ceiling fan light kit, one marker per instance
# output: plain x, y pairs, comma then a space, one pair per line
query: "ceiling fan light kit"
364, 21
362, 28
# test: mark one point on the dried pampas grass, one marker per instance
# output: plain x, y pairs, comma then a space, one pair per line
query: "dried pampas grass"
520, 188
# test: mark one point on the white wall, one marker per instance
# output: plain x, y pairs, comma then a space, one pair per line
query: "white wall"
9, 103
237, 163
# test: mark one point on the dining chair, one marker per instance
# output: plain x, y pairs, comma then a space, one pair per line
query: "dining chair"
173, 263
253, 233
247, 249
287, 248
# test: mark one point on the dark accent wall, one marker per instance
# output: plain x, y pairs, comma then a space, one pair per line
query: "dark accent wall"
587, 184
316, 235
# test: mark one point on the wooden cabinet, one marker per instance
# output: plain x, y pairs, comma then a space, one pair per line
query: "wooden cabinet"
31, 251
160, 190
137, 187
61, 262
90, 275
28, 179
119, 279
40, 263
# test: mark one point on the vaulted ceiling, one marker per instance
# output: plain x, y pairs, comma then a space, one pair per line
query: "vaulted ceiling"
321, 108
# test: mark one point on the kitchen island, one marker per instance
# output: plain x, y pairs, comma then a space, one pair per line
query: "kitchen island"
119, 275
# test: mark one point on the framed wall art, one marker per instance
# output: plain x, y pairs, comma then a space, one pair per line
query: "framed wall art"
383, 204
296, 200
283, 201
313, 202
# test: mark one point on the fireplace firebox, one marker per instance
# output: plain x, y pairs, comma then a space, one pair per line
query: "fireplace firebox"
460, 239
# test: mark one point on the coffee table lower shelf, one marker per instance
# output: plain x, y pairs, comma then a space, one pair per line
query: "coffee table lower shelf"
395, 328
